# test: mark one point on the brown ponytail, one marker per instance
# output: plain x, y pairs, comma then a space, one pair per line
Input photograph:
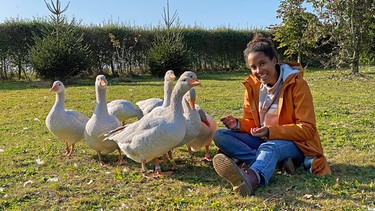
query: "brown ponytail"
260, 44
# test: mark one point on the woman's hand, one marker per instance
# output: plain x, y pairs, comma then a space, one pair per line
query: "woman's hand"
261, 132
229, 121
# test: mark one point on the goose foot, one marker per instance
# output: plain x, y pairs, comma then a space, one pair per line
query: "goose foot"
148, 175
69, 153
120, 161
100, 161
157, 174
207, 157
164, 173
176, 166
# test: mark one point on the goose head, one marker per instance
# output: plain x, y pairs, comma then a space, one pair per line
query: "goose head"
190, 96
169, 76
186, 81
189, 79
57, 87
101, 82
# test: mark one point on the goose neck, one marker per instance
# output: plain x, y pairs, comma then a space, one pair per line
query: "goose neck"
101, 104
167, 94
176, 101
60, 100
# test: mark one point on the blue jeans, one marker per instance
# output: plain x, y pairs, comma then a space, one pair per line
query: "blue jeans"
262, 156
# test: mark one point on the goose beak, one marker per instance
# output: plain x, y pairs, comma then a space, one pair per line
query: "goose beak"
195, 82
103, 83
192, 104
54, 88
172, 76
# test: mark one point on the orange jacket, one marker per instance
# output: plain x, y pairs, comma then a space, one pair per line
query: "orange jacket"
296, 116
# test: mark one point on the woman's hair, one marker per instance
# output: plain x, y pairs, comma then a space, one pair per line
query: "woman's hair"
260, 44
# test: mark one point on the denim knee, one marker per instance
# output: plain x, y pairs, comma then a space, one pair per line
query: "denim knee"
267, 146
218, 137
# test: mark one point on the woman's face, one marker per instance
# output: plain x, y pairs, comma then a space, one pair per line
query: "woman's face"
263, 67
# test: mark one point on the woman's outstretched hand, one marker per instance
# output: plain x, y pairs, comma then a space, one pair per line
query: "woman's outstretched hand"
229, 121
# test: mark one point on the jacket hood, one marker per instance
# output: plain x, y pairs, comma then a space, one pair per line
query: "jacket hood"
288, 70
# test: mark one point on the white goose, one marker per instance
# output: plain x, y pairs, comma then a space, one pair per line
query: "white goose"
100, 122
124, 110
204, 138
147, 105
158, 131
67, 125
193, 121
191, 115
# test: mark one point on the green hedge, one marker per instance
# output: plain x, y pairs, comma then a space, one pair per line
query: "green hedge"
212, 49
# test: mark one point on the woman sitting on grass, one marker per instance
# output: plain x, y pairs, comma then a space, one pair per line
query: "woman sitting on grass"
278, 123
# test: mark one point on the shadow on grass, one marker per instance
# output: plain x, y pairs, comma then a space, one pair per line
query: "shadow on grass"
198, 171
362, 174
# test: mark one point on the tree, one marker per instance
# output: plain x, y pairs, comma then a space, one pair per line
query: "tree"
4, 50
59, 53
123, 51
168, 50
346, 23
16, 36
292, 33
369, 57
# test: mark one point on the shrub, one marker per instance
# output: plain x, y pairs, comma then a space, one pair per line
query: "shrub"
168, 52
59, 53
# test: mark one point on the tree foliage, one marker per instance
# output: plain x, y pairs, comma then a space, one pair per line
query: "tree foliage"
347, 24
168, 51
16, 37
293, 32
59, 53
124, 51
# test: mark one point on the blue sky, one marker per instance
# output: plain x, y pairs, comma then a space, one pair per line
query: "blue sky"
236, 14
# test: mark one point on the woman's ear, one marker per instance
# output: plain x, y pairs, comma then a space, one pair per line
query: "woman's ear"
274, 60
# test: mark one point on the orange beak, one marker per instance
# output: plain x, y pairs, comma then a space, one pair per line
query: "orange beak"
195, 82
192, 104
54, 88
103, 83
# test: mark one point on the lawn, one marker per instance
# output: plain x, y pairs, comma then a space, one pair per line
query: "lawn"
35, 175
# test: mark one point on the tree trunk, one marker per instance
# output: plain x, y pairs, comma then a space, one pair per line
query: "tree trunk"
355, 58
113, 67
19, 65
355, 62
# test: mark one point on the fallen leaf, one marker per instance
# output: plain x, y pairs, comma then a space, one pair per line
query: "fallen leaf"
53, 179
27, 182
39, 161
308, 196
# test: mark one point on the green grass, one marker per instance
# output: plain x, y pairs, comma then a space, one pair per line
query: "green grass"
345, 112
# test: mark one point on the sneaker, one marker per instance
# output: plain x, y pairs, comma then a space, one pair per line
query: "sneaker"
244, 182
